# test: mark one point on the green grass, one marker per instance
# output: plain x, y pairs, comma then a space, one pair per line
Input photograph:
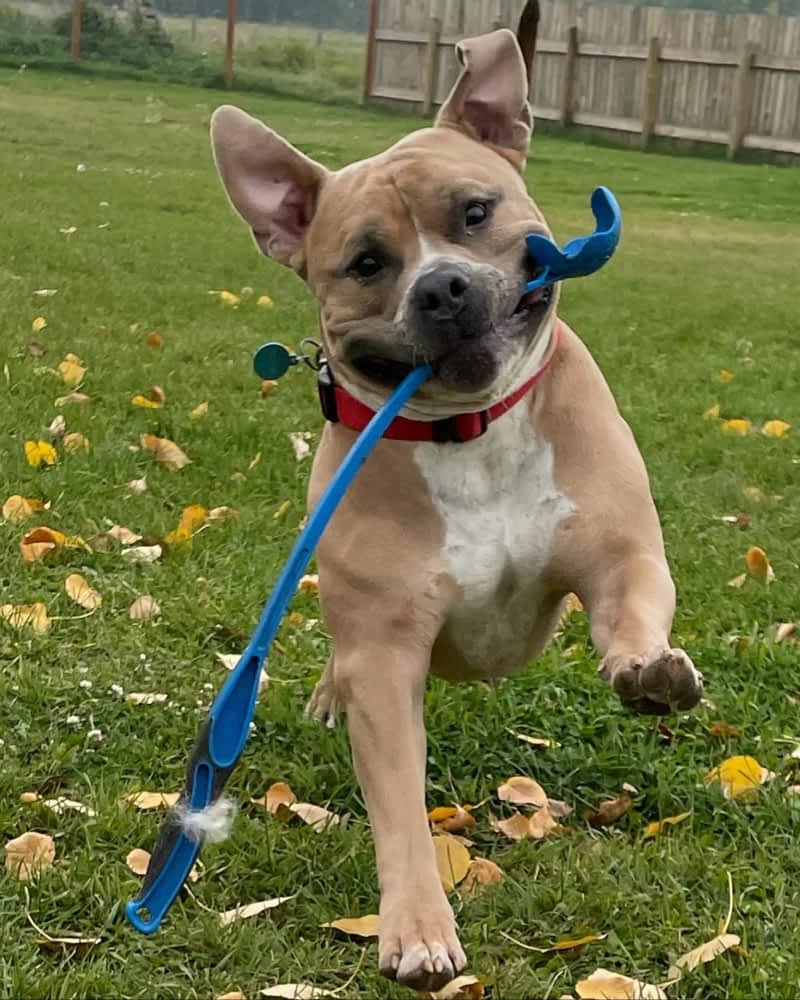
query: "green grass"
705, 279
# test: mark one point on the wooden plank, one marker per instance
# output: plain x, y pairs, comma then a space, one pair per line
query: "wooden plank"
607, 121
695, 134
399, 94
566, 97
369, 61
75, 33
432, 64
773, 144
652, 90
740, 109
229, 39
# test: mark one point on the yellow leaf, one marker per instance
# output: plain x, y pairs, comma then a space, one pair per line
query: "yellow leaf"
265, 300
42, 542
737, 776
75, 442
222, 513
460, 988
738, 581
21, 616
145, 403
144, 607
535, 741
451, 819
71, 371
152, 800
785, 631
363, 927
154, 339
452, 860
166, 451
29, 854
267, 385
522, 791
704, 953
251, 910
653, 829
605, 985
255, 461
570, 944
199, 411
481, 872
284, 507
776, 428
726, 376
79, 590
228, 298
277, 795
17, 509
712, 413
737, 427
758, 564
191, 519
38, 324
40, 453
73, 397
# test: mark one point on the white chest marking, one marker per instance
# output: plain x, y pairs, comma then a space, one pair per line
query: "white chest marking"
501, 508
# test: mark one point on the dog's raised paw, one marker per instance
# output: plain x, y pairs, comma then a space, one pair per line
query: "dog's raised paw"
324, 705
420, 949
655, 684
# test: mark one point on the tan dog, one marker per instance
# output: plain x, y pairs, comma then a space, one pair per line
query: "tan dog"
445, 556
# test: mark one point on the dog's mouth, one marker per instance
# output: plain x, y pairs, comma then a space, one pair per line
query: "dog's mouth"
386, 371
537, 301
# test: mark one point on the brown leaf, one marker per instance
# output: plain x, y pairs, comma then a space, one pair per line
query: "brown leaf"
277, 795
481, 872
79, 591
363, 927
461, 988
154, 339
137, 486
316, 817
605, 985
76, 442
21, 616
452, 860
143, 608
706, 952
18, 509
71, 371
29, 854
222, 513
296, 991
559, 809
522, 791
758, 564
234, 995
724, 729
608, 812
80, 398
142, 553
57, 428
541, 824
251, 910
516, 827
451, 819
123, 535
785, 631
165, 451
144, 698
138, 860
152, 800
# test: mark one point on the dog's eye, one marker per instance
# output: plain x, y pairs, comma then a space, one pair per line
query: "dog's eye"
366, 265
475, 213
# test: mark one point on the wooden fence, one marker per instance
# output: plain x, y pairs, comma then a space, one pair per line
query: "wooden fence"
642, 71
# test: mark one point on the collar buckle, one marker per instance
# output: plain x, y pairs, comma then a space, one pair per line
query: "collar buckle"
461, 428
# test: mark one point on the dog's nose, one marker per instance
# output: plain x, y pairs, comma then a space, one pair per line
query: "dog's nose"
441, 294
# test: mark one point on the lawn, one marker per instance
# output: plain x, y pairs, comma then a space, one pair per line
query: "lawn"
705, 282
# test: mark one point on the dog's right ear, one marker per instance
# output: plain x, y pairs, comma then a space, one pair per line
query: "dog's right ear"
272, 185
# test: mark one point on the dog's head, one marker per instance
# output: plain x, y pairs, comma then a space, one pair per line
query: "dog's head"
417, 254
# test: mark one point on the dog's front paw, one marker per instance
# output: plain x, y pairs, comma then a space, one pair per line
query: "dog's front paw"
656, 683
419, 946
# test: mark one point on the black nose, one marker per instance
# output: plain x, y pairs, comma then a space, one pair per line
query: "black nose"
441, 294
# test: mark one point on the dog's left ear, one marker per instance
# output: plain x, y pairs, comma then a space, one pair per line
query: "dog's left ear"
490, 100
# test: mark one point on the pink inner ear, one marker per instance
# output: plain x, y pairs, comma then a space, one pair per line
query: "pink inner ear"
282, 214
490, 120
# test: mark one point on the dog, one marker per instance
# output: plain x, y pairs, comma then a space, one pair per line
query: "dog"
509, 481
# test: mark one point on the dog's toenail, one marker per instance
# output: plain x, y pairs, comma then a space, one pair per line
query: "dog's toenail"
395, 962
427, 965
438, 965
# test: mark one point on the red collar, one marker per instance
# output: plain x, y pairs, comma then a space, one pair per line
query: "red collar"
339, 406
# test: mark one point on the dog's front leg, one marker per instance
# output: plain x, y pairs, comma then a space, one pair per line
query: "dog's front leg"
381, 688
630, 606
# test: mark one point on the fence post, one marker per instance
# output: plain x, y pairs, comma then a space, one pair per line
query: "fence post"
75, 39
432, 61
501, 15
568, 76
229, 43
369, 62
740, 106
652, 90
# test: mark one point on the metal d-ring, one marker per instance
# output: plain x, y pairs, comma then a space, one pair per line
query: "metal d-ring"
318, 360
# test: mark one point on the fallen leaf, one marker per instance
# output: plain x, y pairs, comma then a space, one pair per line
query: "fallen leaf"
774, 428
143, 698
18, 508
123, 535
559, 809
166, 451
653, 829
316, 817
522, 791
704, 953
309, 584
57, 428
754, 493
737, 776
605, 985
541, 824
79, 590
68, 230
570, 944
63, 805
741, 520
32, 616
517, 827
535, 741
29, 854
41, 542
191, 519
144, 607
608, 812
784, 631
79, 398
481, 872
154, 339
296, 991
246, 292
451, 819
724, 729
228, 298
284, 507
76, 442
46, 293
363, 927
725, 376
452, 861
758, 564
256, 459
251, 910
300, 445
231, 660
71, 371
712, 413
460, 988
142, 553
73, 944
137, 486
39, 453
740, 428
738, 581
152, 800
199, 411
277, 795
222, 513
267, 385
144, 402
235, 995
138, 860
